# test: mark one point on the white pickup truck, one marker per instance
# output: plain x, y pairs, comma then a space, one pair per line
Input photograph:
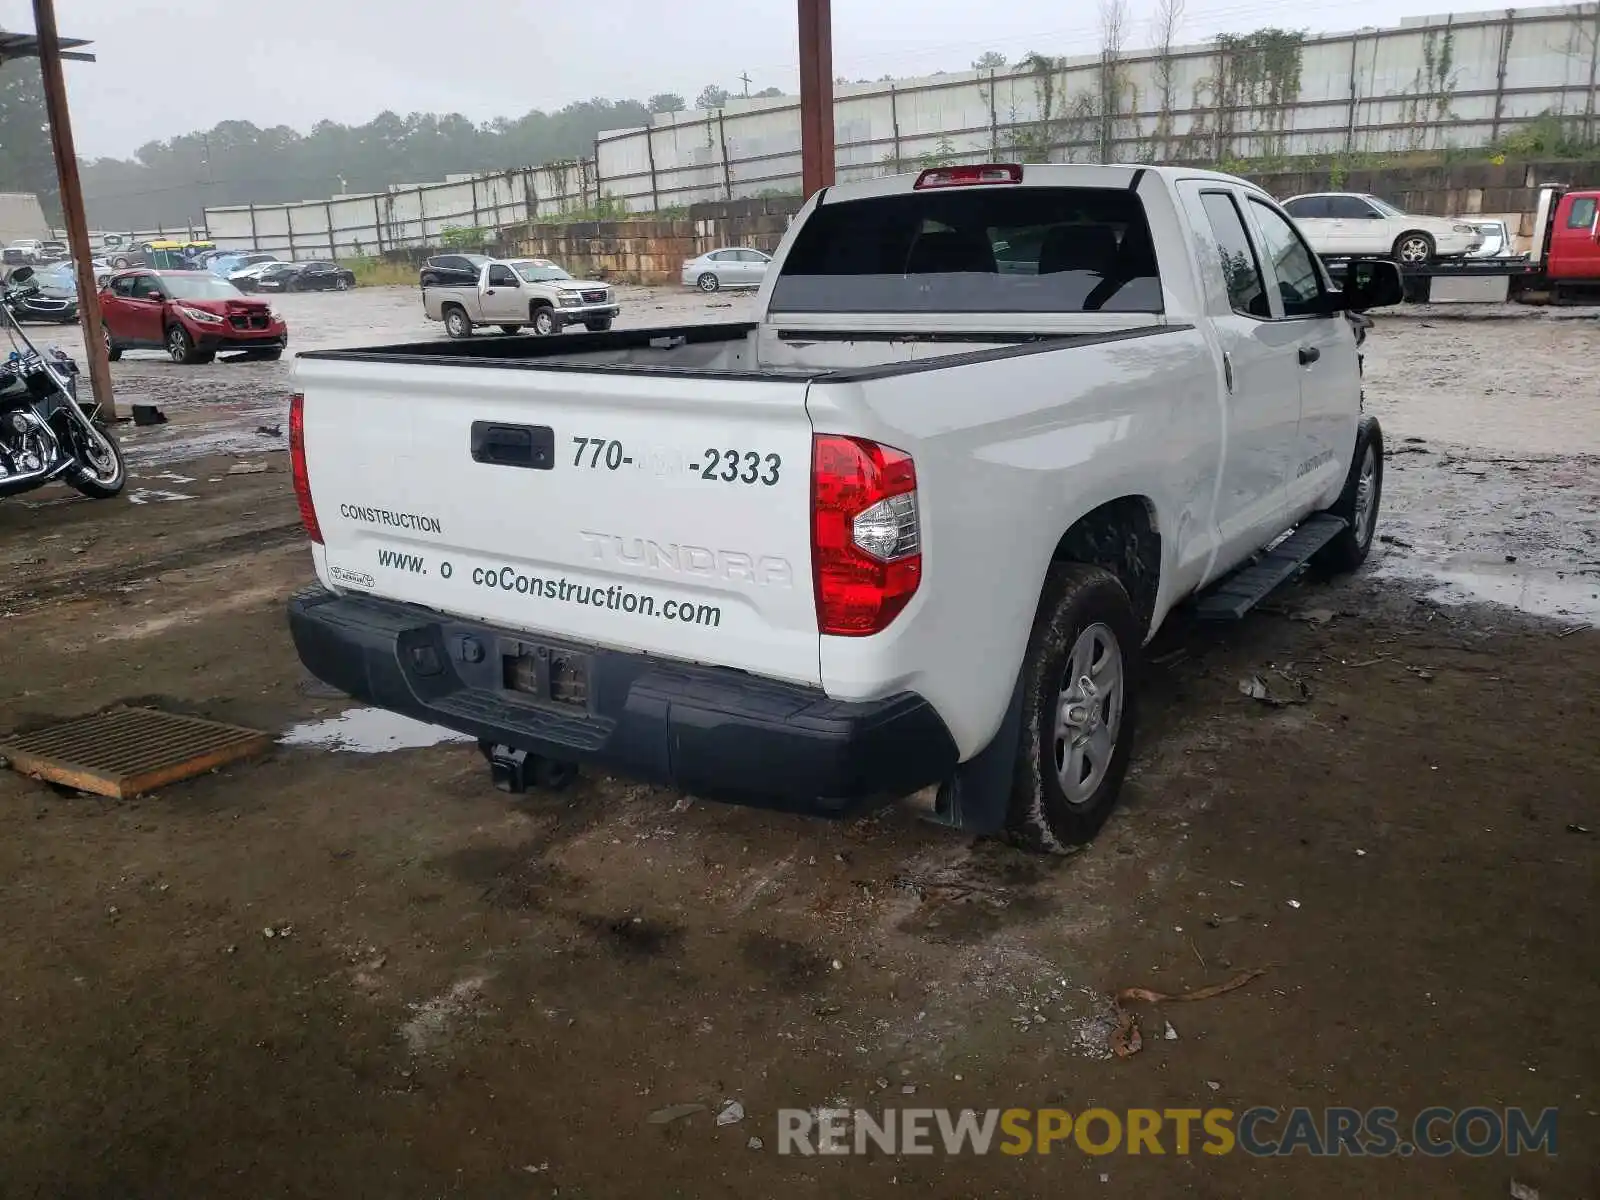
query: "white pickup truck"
518, 292
911, 528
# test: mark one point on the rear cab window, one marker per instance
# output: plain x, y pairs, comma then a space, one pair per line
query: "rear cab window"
974, 250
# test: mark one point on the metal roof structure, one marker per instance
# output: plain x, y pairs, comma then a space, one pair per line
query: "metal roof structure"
26, 45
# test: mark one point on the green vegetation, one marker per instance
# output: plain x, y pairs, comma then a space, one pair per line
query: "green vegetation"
379, 272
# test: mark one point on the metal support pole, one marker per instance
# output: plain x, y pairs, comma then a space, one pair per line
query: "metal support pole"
816, 95
55, 98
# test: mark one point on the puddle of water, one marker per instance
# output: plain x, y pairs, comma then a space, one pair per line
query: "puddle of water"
370, 731
1539, 592
155, 496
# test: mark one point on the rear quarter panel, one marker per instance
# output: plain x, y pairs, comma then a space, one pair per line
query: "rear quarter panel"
1009, 454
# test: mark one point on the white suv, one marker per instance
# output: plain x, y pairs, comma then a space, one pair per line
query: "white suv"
1348, 224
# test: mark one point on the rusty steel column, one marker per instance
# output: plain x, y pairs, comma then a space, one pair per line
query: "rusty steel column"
816, 95
55, 99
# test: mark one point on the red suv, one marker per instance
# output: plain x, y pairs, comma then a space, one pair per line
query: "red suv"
189, 314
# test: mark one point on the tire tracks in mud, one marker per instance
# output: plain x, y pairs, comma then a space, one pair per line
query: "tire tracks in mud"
101, 580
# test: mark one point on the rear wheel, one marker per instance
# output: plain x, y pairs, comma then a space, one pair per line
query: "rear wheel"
1358, 503
1078, 682
341, 283
1414, 249
456, 323
708, 282
100, 472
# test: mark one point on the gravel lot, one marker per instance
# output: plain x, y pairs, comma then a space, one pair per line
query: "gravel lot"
489, 997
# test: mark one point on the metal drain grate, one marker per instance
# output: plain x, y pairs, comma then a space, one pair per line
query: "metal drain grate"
125, 751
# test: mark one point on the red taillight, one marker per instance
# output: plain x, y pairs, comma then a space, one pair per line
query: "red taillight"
297, 464
866, 543
938, 177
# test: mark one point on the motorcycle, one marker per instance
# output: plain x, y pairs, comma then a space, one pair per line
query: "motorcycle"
45, 433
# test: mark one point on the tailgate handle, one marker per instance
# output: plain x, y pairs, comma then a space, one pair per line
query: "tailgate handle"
530, 446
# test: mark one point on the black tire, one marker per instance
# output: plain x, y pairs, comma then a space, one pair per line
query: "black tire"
1349, 550
599, 326
1081, 604
1414, 248
113, 351
708, 282
511, 329
109, 480
343, 283
181, 347
456, 322
545, 320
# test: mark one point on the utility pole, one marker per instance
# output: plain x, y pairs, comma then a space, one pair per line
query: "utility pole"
55, 98
816, 95
745, 79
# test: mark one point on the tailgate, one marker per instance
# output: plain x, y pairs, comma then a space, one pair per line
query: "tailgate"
664, 514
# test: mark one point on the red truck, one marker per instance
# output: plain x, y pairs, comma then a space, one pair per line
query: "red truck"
1563, 266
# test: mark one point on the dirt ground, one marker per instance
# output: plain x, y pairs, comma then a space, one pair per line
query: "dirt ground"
469, 994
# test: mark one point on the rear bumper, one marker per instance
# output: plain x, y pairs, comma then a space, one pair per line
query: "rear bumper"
719, 733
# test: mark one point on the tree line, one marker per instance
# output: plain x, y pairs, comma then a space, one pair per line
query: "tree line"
172, 181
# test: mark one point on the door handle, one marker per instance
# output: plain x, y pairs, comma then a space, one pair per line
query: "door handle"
529, 446
1309, 355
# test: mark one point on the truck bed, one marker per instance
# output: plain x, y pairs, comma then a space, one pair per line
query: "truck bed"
732, 351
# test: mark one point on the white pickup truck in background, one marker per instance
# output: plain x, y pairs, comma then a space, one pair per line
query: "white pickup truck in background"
911, 528
517, 292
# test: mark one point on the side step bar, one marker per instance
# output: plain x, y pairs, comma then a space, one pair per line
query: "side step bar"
1234, 595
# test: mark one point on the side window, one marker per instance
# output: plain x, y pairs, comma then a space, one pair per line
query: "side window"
449, 262
500, 276
1351, 208
123, 286
1307, 208
1582, 214
752, 256
143, 285
1246, 293
1298, 277
724, 256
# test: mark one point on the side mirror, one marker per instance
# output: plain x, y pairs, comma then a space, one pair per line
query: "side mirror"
155, 296
21, 275
1372, 283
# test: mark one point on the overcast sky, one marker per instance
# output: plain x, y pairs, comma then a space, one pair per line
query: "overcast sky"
174, 66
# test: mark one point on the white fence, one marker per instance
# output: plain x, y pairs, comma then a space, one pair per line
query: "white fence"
1426, 84
346, 226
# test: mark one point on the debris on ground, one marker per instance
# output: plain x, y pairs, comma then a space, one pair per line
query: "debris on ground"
1577, 828
755, 1143
1256, 688
270, 430
148, 414
732, 1113
1521, 1191
1127, 1040
1389, 539
1315, 616
244, 468
674, 1112
278, 931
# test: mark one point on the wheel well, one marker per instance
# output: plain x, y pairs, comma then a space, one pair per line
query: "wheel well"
1122, 537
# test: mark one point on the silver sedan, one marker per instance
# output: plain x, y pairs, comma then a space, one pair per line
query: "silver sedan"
732, 266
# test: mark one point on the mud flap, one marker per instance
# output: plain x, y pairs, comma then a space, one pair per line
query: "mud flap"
977, 797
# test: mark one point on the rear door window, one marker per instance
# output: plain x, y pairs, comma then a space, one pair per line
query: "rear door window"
976, 250
1582, 214
1307, 208
1351, 208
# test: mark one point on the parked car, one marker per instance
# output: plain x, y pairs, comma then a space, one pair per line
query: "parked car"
246, 278
521, 291
912, 529
732, 266
54, 298
1348, 224
23, 252
53, 251
192, 315
452, 270
226, 264
269, 277
323, 276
